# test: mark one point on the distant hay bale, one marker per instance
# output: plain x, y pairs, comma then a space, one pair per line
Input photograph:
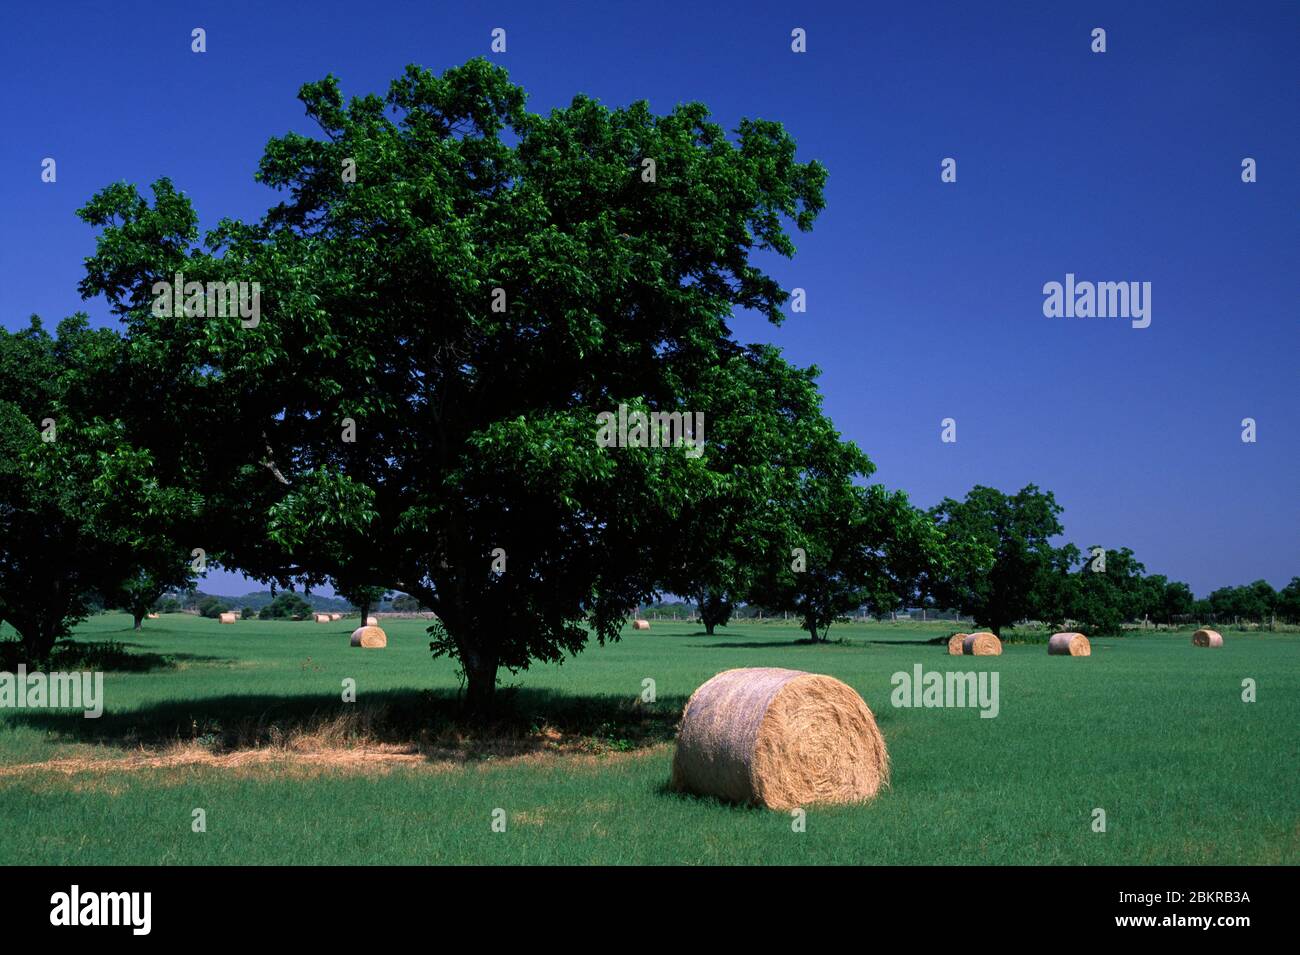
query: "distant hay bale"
369, 638
955, 644
372, 621
982, 644
640, 624
1207, 638
1069, 645
779, 738
336, 616
229, 617
152, 616
322, 618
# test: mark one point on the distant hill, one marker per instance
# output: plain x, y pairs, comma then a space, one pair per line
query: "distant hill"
259, 599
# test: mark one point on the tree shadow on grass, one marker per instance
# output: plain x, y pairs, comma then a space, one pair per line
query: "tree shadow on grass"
932, 642
104, 656
431, 723
767, 644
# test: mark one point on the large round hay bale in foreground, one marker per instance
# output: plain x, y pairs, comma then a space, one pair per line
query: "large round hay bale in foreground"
229, 617
1069, 645
640, 624
779, 738
372, 621
955, 643
369, 638
1207, 638
322, 618
982, 644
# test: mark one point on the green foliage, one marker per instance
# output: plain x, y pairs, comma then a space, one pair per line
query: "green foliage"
213, 607
1288, 601
284, 605
1101, 600
1003, 565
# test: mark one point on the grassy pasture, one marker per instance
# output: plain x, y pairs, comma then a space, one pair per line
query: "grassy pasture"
246, 722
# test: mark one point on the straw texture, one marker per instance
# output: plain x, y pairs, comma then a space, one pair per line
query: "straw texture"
779, 738
1069, 645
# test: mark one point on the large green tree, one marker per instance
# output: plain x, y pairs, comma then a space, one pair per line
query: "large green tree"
451, 291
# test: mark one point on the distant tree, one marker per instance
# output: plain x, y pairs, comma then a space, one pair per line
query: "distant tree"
405, 603
140, 591
845, 545
761, 409
364, 597
213, 607
1166, 601
287, 604
1103, 599
1288, 601
1248, 602
1013, 571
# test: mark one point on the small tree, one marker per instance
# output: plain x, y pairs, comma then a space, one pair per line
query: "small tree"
285, 605
1105, 595
212, 607
364, 597
1018, 573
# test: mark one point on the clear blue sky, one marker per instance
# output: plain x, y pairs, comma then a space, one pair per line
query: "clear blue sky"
925, 298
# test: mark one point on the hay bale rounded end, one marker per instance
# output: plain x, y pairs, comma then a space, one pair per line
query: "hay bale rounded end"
229, 617
982, 644
779, 738
1069, 645
369, 638
336, 616
955, 643
322, 618
640, 624
1207, 638
372, 621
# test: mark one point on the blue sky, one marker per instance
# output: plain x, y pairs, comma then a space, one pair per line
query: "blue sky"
924, 298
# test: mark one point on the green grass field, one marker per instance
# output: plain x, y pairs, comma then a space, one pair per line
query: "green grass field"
250, 720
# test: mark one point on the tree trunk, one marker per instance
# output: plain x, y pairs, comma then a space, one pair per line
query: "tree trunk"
708, 627
139, 620
480, 680
37, 640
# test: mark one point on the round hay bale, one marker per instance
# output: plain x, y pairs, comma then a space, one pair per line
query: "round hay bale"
336, 616
955, 644
982, 644
779, 738
153, 616
322, 618
640, 624
1207, 638
229, 617
372, 621
1069, 645
370, 638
